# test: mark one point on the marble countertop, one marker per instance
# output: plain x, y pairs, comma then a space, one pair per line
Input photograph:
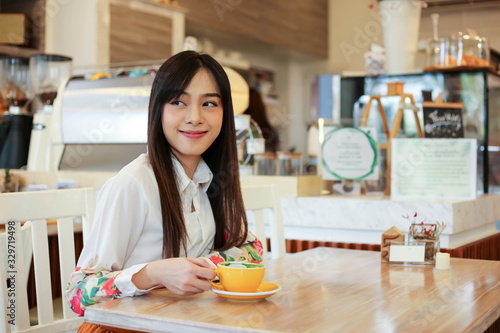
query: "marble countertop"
363, 219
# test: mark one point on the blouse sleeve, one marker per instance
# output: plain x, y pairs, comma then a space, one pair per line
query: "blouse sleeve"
250, 251
118, 221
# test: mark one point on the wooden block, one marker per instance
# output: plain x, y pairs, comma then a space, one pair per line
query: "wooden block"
391, 235
395, 88
13, 29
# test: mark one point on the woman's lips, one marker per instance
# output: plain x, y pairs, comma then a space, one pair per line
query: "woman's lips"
193, 134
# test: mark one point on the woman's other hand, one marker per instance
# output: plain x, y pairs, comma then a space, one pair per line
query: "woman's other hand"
183, 276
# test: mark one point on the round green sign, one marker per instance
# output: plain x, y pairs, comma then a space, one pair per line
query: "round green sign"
349, 153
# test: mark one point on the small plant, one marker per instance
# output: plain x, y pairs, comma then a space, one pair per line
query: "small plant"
424, 230
428, 233
7, 181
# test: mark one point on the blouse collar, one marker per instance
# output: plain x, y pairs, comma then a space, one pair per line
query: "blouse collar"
202, 175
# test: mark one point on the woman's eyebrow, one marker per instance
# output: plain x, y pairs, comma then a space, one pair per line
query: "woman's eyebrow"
211, 95
204, 95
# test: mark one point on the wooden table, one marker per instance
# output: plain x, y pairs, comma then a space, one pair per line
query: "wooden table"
328, 290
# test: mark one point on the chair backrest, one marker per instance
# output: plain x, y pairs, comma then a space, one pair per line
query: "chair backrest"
27, 247
38, 207
262, 199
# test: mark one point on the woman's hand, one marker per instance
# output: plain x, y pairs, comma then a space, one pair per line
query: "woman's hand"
183, 276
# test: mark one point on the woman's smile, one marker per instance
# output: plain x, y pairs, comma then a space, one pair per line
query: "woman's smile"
193, 134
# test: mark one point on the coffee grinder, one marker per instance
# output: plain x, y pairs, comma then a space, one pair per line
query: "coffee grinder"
48, 73
15, 129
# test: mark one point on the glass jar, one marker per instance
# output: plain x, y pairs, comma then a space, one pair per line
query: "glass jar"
470, 50
427, 234
460, 50
264, 164
438, 54
289, 163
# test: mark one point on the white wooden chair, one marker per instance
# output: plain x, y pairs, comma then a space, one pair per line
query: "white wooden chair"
27, 247
37, 207
261, 199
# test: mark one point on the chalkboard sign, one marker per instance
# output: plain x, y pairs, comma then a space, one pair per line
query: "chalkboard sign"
443, 120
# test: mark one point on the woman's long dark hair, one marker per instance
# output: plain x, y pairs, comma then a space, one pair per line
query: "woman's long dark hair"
224, 192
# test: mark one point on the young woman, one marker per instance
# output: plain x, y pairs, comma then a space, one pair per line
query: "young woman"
172, 213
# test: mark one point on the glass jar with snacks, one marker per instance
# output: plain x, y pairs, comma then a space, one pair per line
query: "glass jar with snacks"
438, 53
471, 50
459, 51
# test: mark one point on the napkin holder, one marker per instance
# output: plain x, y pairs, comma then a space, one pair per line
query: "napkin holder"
391, 235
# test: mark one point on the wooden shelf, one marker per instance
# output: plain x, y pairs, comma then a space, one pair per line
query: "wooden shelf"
18, 51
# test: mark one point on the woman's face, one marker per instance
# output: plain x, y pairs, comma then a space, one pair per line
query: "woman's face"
192, 122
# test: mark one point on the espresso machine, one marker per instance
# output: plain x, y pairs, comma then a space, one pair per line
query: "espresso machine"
15, 128
48, 73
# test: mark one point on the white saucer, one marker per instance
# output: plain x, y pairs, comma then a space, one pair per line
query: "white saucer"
265, 290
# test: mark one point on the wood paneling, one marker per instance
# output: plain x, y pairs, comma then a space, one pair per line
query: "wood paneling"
136, 35
294, 24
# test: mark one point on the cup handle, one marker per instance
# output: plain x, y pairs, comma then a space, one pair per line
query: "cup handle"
216, 285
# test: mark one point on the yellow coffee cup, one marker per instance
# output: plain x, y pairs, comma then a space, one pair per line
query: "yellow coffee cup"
241, 277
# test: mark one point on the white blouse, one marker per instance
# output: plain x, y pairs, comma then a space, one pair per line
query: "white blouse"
127, 231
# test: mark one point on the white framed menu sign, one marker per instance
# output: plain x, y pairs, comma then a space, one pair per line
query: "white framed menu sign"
433, 169
349, 153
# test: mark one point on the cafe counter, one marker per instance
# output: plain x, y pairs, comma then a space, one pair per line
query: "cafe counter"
358, 222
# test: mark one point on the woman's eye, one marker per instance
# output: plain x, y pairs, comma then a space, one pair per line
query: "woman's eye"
210, 104
177, 102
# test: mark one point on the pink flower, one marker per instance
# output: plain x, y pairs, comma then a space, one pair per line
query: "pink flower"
415, 214
257, 245
75, 303
216, 259
108, 287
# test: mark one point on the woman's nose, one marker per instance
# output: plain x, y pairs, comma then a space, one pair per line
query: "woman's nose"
194, 115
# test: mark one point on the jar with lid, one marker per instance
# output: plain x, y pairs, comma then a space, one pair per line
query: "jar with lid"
438, 54
470, 50
264, 164
289, 163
